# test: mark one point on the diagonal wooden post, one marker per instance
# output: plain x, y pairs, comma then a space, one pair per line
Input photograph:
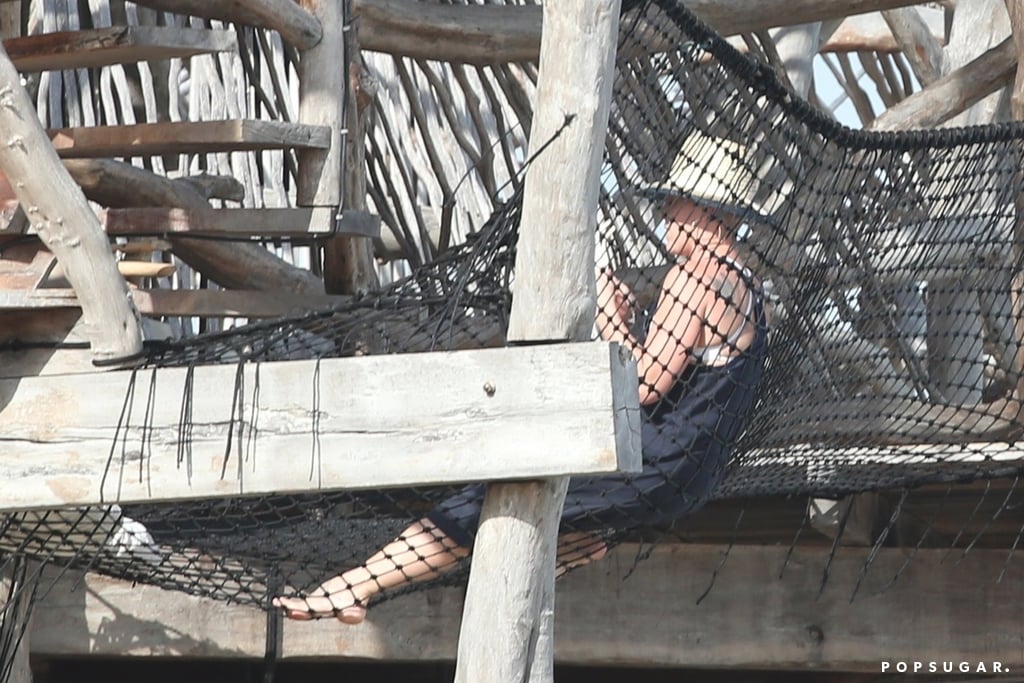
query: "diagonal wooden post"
58, 211
511, 585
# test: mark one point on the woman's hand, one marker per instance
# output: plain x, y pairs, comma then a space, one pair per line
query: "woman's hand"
615, 304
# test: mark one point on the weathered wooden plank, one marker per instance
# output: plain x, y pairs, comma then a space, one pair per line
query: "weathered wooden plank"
113, 45
235, 223
185, 137
202, 303
321, 103
56, 208
756, 616
209, 303
381, 421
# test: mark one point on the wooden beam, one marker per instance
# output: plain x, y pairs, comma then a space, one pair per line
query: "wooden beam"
296, 26
113, 45
236, 223
490, 34
764, 611
201, 303
375, 428
58, 211
952, 94
185, 137
209, 303
476, 34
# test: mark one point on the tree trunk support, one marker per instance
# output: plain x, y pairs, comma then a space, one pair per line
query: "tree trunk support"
60, 215
335, 177
506, 627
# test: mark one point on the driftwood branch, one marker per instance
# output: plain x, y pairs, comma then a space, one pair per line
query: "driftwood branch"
491, 34
918, 42
235, 265
296, 26
952, 94
60, 215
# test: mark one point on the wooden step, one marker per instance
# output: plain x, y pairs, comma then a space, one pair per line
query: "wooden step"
202, 303
235, 223
114, 45
198, 137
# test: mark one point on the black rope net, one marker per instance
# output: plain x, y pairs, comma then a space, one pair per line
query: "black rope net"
815, 311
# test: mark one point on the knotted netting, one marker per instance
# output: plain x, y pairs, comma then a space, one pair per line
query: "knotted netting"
815, 311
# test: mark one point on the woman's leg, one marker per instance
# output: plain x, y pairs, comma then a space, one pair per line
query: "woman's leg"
420, 553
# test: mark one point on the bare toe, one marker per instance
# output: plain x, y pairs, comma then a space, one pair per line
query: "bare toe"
322, 606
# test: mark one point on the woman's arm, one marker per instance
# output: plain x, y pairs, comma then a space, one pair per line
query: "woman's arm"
674, 331
615, 309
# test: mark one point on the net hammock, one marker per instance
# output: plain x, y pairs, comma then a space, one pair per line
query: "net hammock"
848, 320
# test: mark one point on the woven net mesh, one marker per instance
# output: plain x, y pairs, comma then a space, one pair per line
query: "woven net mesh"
866, 295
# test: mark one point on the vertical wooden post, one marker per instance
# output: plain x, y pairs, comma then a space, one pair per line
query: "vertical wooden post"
348, 260
955, 327
1016, 12
511, 585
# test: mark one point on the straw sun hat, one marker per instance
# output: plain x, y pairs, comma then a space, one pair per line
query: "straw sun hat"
711, 172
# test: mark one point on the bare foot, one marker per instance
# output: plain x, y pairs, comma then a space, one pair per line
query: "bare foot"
333, 598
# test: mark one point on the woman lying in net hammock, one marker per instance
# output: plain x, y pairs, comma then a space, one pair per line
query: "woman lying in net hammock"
700, 361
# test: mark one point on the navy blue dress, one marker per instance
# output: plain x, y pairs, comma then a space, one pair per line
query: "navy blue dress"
687, 439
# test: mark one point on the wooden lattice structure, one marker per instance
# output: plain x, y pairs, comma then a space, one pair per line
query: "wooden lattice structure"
265, 149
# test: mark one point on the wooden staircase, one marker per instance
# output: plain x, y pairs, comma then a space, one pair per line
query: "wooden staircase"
26, 287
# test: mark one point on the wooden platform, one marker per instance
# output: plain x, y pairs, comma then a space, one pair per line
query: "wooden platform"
115, 45
374, 428
202, 137
764, 611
